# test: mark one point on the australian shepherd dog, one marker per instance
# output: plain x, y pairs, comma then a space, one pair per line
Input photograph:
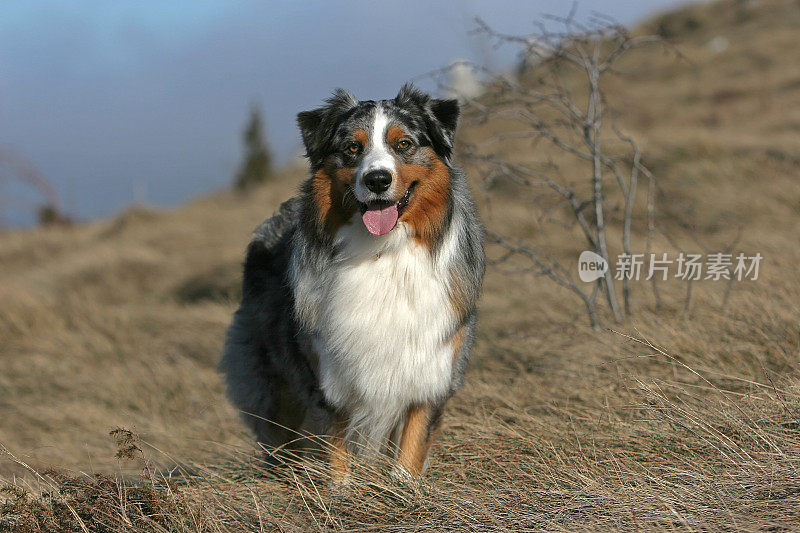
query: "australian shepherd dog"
358, 307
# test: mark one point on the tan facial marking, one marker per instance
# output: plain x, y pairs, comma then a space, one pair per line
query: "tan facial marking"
361, 136
426, 211
394, 134
329, 189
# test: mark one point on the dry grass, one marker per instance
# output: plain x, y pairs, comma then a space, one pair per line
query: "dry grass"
682, 419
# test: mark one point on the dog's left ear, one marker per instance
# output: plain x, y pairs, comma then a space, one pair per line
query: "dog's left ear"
446, 113
440, 117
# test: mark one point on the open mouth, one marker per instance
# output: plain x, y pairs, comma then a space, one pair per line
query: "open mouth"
381, 217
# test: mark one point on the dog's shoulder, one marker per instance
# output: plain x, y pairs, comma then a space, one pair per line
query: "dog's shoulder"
269, 251
275, 228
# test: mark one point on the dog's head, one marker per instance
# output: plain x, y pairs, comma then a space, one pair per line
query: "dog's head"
389, 159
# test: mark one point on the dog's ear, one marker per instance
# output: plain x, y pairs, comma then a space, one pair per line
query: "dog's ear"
318, 126
440, 117
410, 95
309, 123
446, 113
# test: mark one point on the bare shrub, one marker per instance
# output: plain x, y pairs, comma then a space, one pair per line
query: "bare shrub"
557, 99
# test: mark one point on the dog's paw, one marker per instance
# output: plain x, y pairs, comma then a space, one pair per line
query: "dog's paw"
403, 476
340, 484
401, 473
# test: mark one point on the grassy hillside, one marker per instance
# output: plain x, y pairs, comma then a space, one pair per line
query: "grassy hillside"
695, 426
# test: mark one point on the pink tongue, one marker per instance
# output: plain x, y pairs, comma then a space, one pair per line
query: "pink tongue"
380, 221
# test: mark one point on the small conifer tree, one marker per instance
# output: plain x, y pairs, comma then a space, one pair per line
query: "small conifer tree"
257, 164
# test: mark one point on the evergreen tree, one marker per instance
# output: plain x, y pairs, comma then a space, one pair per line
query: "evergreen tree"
257, 164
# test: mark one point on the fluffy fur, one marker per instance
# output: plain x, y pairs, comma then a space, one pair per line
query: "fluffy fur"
344, 332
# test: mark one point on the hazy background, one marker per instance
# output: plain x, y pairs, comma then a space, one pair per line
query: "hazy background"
120, 102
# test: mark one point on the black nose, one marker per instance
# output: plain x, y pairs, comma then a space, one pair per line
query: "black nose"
378, 180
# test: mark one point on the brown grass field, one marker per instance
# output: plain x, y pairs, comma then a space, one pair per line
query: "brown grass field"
676, 419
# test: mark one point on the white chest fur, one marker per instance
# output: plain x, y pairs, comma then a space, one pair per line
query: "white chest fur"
382, 320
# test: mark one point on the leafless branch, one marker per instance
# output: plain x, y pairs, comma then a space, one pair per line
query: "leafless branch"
558, 99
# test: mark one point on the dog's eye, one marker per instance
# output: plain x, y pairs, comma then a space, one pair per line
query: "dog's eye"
353, 147
403, 144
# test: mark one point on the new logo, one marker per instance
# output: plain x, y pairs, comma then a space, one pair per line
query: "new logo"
591, 266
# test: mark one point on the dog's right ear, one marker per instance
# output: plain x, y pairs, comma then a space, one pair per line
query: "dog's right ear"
318, 126
309, 123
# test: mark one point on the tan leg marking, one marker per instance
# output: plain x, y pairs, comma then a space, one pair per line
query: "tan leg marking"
339, 456
418, 433
414, 441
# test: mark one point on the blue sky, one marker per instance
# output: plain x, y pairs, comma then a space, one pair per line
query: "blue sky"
109, 97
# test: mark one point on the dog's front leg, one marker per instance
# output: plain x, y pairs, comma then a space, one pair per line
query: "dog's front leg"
338, 454
419, 430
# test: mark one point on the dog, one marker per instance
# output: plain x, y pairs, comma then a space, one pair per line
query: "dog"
358, 308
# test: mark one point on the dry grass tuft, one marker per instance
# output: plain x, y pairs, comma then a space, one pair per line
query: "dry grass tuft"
62, 503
